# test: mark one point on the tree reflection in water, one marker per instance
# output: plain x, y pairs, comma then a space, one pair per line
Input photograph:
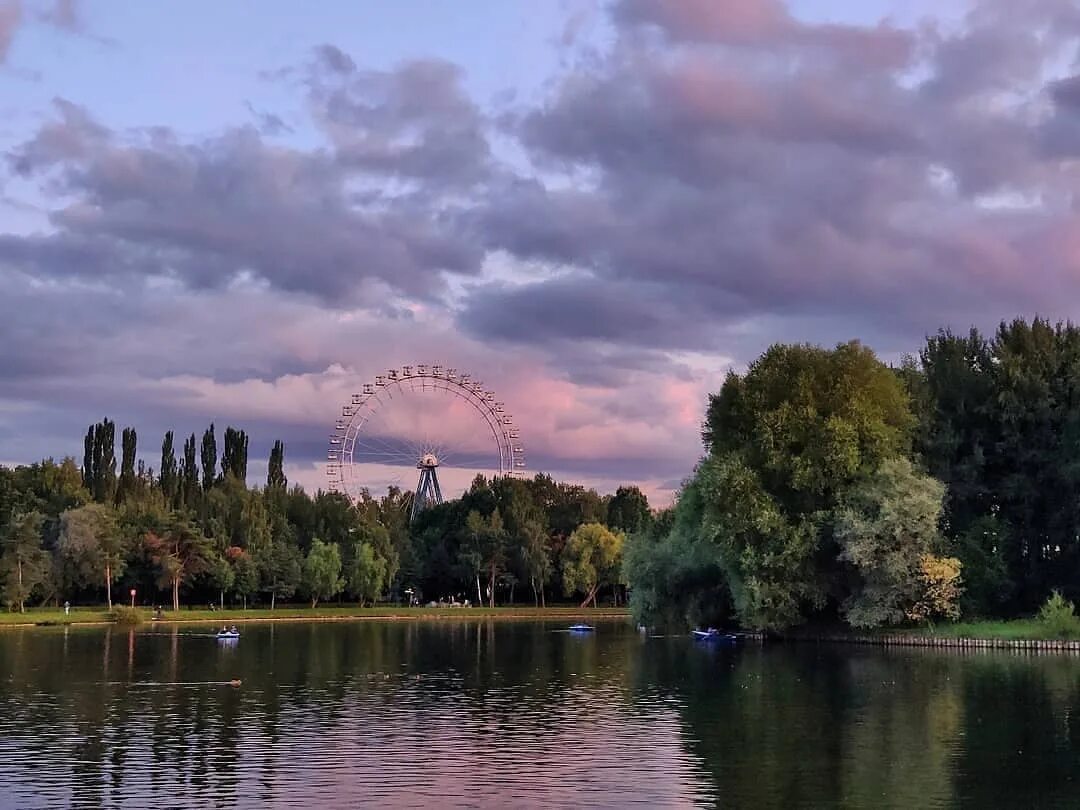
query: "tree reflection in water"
479, 712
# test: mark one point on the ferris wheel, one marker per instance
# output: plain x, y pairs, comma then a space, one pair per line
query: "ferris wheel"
425, 424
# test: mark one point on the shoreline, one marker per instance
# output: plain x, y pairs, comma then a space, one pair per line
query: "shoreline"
946, 642
392, 615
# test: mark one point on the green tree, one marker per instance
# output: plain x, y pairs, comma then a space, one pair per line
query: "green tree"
179, 553
24, 565
887, 526
235, 454
275, 474
245, 573
168, 479
628, 510
101, 480
591, 560
675, 577
280, 569
220, 575
366, 575
536, 561
128, 479
92, 545
189, 475
786, 440
322, 571
209, 458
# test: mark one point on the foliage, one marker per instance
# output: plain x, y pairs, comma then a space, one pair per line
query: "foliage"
941, 589
675, 578
1000, 426
168, 477
123, 614
591, 560
808, 421
208, 456
234, 457
1058, 616
99, 461
92, 546
322, 571
281, 569
535, 558
628, 510
275, 475
250, 544
24, 565
887, 527
127, 483
786, 440
366, 574
180, 552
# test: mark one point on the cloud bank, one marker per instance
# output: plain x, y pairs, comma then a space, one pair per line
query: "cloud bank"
709, 178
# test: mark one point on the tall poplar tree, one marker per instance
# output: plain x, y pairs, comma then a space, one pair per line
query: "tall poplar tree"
167, 479
99, 471
209, 458
189, 474
88, 460
127, 465
275, 475
234, 456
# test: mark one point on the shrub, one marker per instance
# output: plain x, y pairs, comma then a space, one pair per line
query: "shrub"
940, 586
122, 614
1058, 617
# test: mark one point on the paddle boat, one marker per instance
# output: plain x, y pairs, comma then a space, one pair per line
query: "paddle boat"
230, 633
581, 628
712, 634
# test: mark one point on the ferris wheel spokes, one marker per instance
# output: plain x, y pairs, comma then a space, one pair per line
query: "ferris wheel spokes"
381, 426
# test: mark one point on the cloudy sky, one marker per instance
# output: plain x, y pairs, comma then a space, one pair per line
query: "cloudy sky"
242, 212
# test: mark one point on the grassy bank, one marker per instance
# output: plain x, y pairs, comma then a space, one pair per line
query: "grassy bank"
91, 615
1011, 630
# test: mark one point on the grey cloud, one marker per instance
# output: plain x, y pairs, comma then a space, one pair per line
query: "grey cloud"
748, 184
573, 309
412, 122
268, 123
206, 212
334, 59
1066, 92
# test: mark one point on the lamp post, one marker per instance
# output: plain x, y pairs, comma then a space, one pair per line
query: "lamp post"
133, 597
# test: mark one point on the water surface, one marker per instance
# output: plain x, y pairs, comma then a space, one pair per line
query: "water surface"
519, 714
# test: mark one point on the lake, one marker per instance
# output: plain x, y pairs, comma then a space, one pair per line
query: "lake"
518, 714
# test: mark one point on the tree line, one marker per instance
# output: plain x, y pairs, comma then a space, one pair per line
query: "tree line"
835, 487
194, 532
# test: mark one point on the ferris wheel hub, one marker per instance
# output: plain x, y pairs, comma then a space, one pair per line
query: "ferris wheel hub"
427, 461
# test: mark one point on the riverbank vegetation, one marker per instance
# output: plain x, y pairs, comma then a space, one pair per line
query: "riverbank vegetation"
50, 616
836, 487
194, 532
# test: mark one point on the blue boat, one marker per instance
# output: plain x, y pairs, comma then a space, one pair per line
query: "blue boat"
581, 628
712, 634
228, 634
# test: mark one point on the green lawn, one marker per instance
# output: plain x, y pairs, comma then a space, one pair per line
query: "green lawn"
83, 615
1013, 629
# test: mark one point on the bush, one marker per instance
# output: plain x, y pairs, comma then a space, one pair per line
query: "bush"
1058, 617
126, 615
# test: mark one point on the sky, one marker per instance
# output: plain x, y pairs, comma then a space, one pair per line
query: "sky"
240, 213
